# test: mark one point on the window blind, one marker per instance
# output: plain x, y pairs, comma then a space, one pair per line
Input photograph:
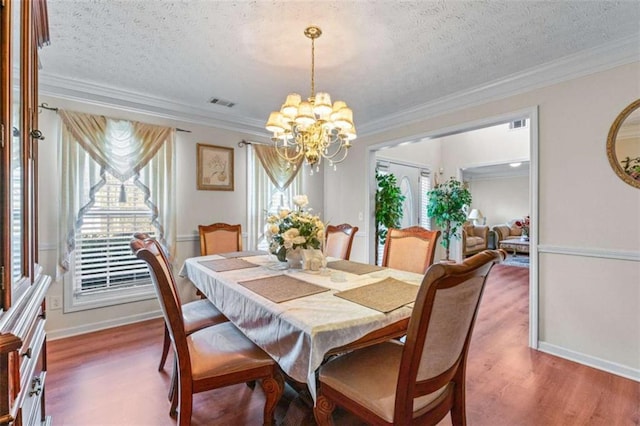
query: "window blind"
103, 259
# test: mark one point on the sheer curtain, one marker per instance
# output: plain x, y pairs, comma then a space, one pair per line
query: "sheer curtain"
92, 145
272, 183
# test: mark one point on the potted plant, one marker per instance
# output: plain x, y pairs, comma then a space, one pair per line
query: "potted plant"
446, 202
388, 206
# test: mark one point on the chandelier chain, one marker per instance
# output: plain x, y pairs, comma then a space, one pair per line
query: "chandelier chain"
313, 67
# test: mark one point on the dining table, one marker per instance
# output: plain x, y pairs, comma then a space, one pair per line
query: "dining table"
300, 317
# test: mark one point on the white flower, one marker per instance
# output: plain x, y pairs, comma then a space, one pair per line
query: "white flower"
283, 213
300, 200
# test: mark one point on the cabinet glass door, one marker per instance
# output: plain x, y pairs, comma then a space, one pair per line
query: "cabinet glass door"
16, 189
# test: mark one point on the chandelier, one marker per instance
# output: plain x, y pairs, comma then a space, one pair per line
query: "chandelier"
314, 128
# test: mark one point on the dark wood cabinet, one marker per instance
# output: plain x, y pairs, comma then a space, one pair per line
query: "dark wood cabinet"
23, 286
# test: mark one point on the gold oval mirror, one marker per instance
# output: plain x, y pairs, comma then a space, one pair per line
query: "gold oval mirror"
623, 144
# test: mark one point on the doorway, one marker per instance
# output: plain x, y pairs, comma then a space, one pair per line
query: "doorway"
437, 150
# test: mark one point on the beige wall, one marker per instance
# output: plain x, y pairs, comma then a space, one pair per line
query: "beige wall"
501, 199
587, 218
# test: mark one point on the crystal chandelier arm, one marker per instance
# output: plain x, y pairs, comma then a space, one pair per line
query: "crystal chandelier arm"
335, 149
283, 151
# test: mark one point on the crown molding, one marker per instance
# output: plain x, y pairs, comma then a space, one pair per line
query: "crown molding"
617, 53
109, 96
607, 56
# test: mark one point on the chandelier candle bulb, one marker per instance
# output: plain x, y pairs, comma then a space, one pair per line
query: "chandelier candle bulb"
315, 127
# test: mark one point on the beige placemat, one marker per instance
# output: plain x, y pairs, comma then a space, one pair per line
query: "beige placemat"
383, 296
244, 253
353, 267
281, 288
221, 265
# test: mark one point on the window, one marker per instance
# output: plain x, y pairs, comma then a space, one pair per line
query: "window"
265, 198
116, 179
103, 259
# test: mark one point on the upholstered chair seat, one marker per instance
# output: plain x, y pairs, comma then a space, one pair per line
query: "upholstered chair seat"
223, 349
351, 376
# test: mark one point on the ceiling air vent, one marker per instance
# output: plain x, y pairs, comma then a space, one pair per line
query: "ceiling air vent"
221, 102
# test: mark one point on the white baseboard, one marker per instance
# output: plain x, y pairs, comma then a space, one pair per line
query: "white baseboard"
600, 364
102, 325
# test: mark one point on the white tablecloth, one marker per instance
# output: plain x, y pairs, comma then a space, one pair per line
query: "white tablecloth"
297, 333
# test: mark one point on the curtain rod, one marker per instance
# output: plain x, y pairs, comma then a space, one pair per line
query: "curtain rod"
245, 142
45, 105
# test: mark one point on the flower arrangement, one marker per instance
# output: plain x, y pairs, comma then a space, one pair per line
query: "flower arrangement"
293, 229
524, 225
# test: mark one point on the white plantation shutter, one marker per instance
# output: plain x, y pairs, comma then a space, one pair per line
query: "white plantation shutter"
425, 186
103, 259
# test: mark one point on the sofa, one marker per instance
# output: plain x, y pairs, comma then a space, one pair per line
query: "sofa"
509, 231
475, 238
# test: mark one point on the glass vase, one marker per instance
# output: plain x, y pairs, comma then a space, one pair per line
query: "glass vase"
294, 258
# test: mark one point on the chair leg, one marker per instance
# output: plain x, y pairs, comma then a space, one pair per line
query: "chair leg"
174, 381
323, 410
173, 411
458, 410
165, 348
273, 388
185, 398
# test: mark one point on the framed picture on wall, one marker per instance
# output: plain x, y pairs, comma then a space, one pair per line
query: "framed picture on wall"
214, 167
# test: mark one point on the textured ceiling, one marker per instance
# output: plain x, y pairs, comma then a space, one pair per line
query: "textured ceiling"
380, 57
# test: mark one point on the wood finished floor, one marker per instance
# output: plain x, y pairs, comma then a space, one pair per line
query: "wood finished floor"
110, 378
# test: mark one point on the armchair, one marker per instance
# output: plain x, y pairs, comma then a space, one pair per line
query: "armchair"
474, 239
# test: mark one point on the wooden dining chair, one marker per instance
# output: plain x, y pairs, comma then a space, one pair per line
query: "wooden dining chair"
196, 315
339, 240
210, 358
220, 238
420, 381
410, 249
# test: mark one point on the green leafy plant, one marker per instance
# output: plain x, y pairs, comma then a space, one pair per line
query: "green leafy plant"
388, 206
445, 204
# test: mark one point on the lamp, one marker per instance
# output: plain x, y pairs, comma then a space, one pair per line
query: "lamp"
314, 127
477, 217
